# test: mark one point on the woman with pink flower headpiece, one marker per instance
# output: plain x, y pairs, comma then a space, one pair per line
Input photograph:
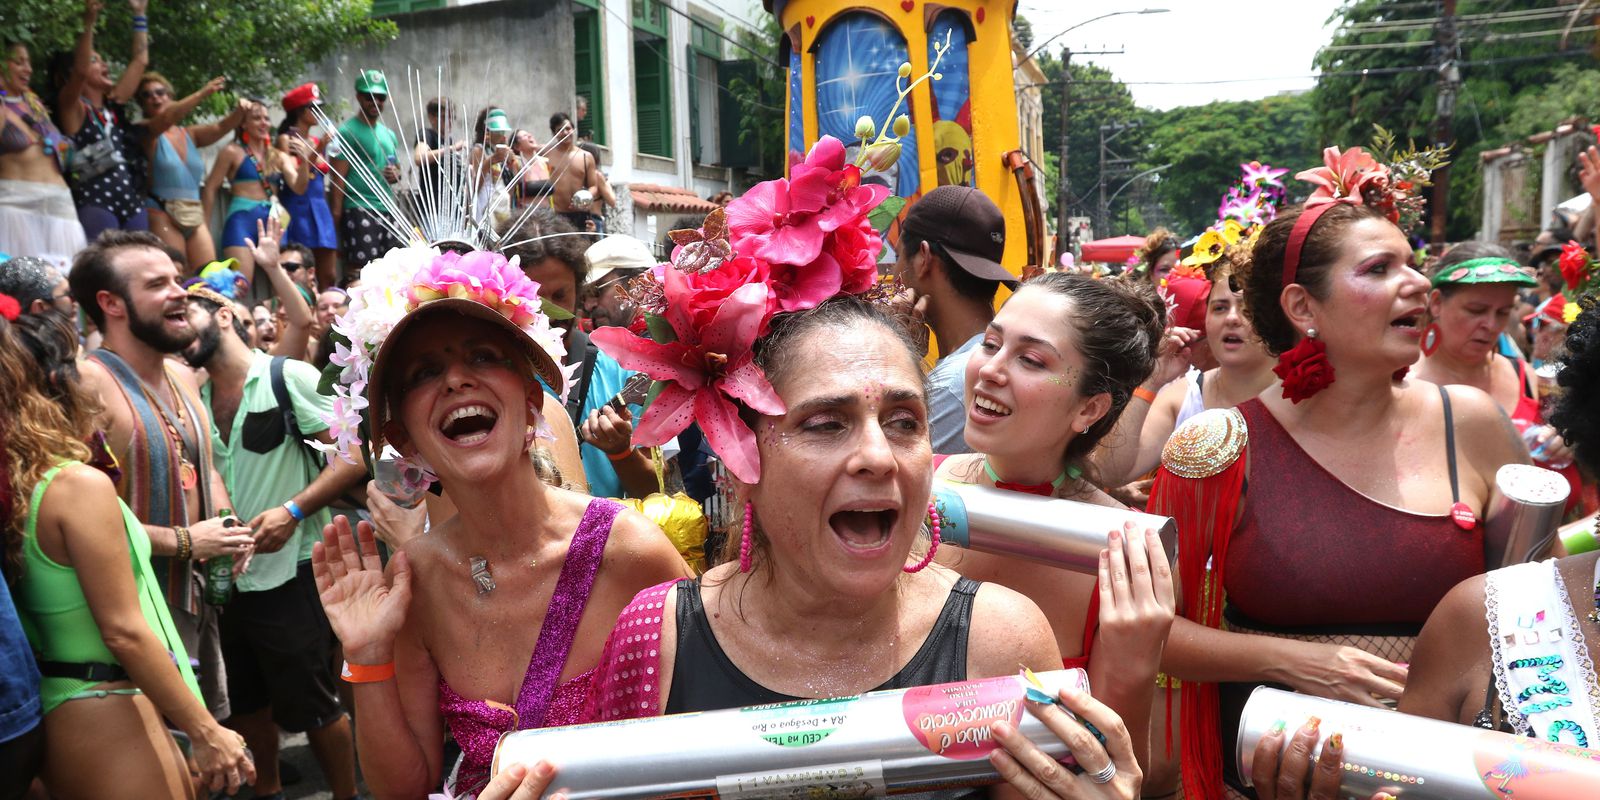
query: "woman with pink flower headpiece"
815, 401
444, 354
1324, 519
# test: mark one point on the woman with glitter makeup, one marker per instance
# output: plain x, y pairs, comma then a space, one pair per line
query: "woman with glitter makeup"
820, 415
1511, 650
1327, 517
1052, 374
523, 567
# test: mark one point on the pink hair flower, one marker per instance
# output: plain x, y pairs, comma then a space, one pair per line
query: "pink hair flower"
1345, 177
702, 372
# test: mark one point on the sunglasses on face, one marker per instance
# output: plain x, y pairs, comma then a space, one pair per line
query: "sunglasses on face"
291, 266
372, 98
151, 94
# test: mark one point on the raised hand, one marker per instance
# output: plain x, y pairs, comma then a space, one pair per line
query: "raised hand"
365, 607
265, 247
1174, 357
1589, 170
138, 6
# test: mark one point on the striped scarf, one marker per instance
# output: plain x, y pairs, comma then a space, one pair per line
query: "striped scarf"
151, 483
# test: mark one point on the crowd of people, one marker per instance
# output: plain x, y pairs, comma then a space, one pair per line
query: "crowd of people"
405, 496
81, 161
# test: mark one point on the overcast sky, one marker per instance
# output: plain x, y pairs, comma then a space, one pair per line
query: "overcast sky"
1270, 42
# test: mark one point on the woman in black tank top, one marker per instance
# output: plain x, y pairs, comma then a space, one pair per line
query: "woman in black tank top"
831, 595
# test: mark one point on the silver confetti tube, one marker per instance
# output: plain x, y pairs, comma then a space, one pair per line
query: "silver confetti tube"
891, 742
1416, 758
1062, 533
1524, 515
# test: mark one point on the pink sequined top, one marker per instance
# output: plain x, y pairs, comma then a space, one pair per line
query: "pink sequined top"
477, 724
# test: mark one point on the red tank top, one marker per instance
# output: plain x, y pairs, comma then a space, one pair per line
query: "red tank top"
1527, 409
1311, 551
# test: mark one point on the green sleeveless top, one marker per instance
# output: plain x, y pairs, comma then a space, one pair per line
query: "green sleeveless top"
55, 614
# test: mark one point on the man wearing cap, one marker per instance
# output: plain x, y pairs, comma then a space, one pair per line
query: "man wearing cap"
949, 257
276, 641
605, 433
613, 261
489, 159
365, 161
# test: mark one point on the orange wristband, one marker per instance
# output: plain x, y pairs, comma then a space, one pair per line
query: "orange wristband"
1144, 394
367, 673
620, 456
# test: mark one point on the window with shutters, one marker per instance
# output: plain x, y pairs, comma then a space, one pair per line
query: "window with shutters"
389, 8
589, 73
705, 53
652, 94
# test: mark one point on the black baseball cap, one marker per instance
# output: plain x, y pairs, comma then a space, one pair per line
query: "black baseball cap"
968, 225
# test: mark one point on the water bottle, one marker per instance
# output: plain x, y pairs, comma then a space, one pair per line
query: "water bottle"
219, 569
406, 490
1531, 438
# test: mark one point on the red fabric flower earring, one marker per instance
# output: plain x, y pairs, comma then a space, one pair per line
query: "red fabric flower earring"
1304, 368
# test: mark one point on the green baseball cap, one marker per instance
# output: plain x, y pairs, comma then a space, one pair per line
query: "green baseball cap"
496, 121
371, 81
1491, 269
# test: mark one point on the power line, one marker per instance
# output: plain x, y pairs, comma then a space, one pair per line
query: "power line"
1427, 23
1353, 73
1487, 39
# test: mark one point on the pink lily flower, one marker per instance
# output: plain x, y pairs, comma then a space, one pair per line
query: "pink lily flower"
701, 371
1345, 177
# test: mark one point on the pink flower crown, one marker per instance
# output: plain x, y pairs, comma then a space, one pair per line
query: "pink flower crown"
785, 245
402, 281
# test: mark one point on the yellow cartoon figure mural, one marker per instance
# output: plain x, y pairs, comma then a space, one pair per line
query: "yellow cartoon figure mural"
843, 59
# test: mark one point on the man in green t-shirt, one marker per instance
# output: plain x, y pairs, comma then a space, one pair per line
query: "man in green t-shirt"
363, 153
276, 641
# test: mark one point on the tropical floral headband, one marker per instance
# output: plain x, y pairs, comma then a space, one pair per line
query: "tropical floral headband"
1390, 183
1247, 205
785, 245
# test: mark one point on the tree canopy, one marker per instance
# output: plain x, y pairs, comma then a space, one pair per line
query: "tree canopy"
261, 46
1380, 67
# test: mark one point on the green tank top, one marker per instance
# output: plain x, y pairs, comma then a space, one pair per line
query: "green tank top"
55, 614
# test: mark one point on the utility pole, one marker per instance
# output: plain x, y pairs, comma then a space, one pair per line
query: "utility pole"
1101, 226
1445, 34
1064, 182
1064, 185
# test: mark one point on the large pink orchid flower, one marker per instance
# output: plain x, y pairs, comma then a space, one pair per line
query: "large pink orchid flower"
785, 221
1345, 177
701, 371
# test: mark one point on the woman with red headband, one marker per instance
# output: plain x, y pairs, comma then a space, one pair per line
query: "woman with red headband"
1325, 518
